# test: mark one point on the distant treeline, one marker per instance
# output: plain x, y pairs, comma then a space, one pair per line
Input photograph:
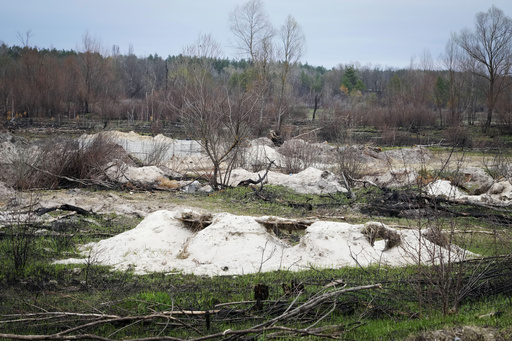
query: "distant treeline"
50, 83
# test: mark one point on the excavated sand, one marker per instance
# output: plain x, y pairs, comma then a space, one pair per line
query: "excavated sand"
500, 192
309, 181
235, 245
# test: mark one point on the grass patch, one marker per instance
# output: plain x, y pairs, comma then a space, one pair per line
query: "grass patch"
412, 300
275, 200
390, 313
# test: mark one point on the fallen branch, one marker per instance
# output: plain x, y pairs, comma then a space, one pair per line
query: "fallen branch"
351, 194
84, 182
306, 133
248, 182
312, 303
64, 207
101, 319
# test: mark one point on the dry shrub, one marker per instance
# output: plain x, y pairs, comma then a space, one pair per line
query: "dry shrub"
348, 162
425, 177
158, 155
392, 136
335, 128
498, 165
458, 137
167, 183
66, 163
299, 155
435, 235
298, 113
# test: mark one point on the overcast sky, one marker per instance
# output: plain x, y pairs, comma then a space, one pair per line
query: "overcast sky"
381, 32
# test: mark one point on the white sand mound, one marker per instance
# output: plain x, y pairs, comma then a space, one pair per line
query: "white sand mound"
257, 155
500, 193
147, 148
146, 175
234, 244
444, 188
416, 155
311, 180
148, 247
240, 245
394, 178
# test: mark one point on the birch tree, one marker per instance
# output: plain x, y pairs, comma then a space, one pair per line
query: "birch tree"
292, 45
490, 47
254, 36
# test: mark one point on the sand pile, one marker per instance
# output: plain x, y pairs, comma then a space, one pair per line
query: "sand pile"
148, 148
444, 188
309, 181
500, 193
232, 245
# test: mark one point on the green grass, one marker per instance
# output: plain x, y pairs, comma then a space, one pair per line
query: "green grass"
390, 313
273, 200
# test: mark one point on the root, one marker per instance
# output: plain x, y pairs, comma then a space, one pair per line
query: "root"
374, 231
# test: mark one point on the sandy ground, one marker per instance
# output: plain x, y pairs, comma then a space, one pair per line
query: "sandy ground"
239, 244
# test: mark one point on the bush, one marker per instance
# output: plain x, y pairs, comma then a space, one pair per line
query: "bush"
498, 166
65, 163
348, 162
335, 129
299, 155
458, 137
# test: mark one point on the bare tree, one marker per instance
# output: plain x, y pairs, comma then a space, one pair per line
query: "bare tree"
452, 60
91, 65
213, 113
254, 33
24, 38
291, 49
490, 46
252, 28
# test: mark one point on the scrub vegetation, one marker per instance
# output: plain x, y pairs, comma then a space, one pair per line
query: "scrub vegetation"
90, 301
460, 107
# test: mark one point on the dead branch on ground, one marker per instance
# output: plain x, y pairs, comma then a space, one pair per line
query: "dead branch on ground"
80, 329
83, 182
249, 182
64, 207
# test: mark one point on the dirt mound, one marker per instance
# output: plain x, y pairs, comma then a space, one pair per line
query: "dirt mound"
166, 241
310, 180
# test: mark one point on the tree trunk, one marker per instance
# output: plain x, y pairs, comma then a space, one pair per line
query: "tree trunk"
489, 118
490, 102
317, 100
